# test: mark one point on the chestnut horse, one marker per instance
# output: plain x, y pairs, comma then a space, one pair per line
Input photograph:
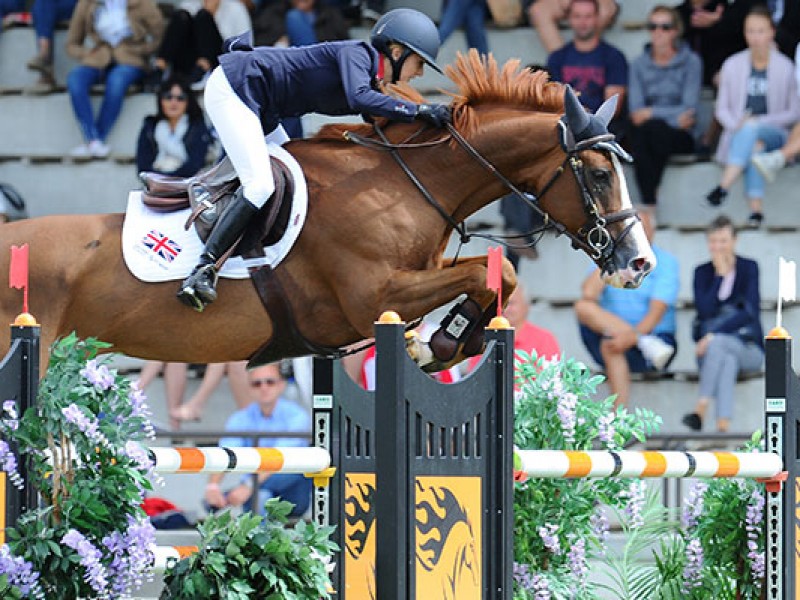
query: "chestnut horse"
371, 241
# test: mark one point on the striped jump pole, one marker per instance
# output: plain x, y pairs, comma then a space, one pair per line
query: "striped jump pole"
567, 464
304, 460
165, 556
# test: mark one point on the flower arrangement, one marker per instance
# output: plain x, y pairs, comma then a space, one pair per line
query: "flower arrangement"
715, 550
90, 538
560, 524
254, 557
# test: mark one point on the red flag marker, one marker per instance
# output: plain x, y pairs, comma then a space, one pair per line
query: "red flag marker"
18, 272
494, 275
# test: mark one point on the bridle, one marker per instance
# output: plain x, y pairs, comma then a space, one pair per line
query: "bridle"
593, 237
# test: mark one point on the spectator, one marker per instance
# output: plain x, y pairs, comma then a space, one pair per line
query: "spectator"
175, 375
769, 163
122, 34
593, 67
46, 14
528, 337
757, 102
194, 35
631, 330
298, 23
192, 410
786, 16
545, 16
727, 328
662, 100
472, 15
714, 29
174, 141
12, 205
269, 412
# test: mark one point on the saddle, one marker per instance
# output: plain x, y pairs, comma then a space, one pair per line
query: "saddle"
208, 194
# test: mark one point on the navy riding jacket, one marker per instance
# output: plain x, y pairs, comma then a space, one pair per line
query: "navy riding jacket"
331, 78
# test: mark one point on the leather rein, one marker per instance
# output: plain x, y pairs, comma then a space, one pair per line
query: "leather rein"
593, 237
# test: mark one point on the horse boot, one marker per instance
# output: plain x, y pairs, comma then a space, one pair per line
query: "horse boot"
199, 289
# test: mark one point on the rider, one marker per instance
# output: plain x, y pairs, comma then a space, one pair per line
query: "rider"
252, 89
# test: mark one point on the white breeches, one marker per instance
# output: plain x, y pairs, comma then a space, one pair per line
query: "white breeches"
239, 130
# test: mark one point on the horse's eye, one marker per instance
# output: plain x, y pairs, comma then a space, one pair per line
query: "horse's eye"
601, 176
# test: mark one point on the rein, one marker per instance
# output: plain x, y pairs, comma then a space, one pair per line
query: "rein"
593, 237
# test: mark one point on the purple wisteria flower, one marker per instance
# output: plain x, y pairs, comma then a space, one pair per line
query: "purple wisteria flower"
20, 574
140, 409
606, 430
98, 375
8, 462
600, 527
753, 523
87, 425
576, 557
567, 402
531, 582
693, 505
633, 510
692, 571
11, 416
549, 535
96, 575
138, 454
133, 556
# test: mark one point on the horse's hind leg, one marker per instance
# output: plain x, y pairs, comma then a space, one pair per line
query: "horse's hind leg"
416, 293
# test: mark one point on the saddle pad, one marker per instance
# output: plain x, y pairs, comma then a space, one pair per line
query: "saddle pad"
157, 248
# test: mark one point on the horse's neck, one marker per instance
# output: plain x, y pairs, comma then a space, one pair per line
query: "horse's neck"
509, 147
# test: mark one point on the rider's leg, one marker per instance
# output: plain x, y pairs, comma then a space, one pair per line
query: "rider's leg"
240, 131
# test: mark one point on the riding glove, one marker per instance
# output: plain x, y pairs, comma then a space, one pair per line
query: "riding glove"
437, 115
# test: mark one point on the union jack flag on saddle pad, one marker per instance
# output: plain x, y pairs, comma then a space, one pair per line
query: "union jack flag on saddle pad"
164, 247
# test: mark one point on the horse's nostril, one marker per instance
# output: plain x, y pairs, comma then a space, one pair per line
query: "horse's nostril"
640, 265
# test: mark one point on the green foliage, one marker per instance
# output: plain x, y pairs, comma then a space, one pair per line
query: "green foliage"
81, 442
555, 409
254, 557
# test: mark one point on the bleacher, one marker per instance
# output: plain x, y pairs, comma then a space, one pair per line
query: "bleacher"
38, 131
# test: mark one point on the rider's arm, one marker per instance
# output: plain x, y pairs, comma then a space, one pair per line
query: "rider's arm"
355, 66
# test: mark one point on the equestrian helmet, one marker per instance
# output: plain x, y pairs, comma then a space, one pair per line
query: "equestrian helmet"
409, 28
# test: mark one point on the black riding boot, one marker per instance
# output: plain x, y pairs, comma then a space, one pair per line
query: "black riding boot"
199, 289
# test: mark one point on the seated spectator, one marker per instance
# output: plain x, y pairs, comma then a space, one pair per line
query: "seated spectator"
757, 102
786, 15
268, 412
471, 14
545, 16
175, 140
631, 330
528, 337
122, 35
12, 205
769, 163
192, 409
193, 38
8, 7
593, 67
727, 328
298, 23
663, 96
46, 14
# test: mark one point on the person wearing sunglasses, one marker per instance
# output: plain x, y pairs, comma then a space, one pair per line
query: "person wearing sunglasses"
663, 95
176, 139
269, 412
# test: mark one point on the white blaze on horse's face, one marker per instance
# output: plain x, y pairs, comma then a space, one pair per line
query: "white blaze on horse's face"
633, 258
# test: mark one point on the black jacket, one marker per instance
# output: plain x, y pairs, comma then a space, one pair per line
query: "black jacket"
197, 140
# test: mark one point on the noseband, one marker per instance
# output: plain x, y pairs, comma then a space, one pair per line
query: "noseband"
593, 237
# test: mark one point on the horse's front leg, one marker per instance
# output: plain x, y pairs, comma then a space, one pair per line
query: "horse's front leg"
416, 293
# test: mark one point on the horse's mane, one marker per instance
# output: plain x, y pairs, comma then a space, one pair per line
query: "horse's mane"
479, 80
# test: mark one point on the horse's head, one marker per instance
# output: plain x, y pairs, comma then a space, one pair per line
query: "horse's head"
588, 197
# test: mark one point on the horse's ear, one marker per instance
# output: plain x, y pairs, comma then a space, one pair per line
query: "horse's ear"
576, 116
607, 110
